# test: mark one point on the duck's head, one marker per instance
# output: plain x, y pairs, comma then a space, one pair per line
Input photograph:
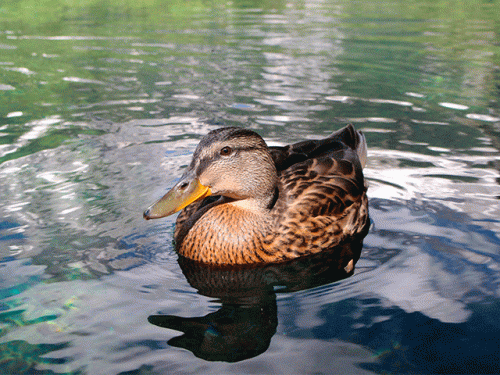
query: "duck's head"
231, 162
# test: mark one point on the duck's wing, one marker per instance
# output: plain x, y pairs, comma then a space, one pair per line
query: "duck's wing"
323, 198
286, 156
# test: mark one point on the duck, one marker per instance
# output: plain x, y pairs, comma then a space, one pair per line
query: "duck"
246, 203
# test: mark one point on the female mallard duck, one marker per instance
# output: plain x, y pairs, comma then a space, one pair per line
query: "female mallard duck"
267, 204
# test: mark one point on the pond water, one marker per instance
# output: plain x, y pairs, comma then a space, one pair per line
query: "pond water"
102, 104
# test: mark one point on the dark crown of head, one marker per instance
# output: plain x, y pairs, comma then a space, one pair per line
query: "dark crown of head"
226, 134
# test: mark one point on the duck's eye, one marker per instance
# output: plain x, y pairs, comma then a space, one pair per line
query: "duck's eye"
226, 151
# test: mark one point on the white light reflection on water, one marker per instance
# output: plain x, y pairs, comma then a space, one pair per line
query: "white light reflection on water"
445, 182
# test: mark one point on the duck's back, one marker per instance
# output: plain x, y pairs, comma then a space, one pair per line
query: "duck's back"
322, 199
345, 138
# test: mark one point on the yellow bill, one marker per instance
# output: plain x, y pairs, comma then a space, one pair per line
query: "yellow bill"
185, 192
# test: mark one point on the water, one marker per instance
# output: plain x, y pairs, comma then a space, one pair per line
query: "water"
101, 106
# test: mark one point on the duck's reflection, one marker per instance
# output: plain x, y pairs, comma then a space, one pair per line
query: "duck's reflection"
243, 327
233, 333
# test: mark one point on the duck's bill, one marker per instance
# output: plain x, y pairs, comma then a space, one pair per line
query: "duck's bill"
181, 195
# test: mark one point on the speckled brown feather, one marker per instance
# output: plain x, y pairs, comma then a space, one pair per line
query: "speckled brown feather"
321, 202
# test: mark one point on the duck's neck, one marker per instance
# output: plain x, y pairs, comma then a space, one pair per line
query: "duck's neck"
261, 204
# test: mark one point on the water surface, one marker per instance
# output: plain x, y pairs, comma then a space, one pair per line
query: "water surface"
101, 106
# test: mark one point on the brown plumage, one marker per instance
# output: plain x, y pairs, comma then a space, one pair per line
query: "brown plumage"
247, 203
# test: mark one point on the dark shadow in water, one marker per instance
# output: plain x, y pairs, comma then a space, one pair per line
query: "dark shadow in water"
243, 327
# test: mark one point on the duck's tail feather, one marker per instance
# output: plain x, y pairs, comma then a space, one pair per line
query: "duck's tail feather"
361, 147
